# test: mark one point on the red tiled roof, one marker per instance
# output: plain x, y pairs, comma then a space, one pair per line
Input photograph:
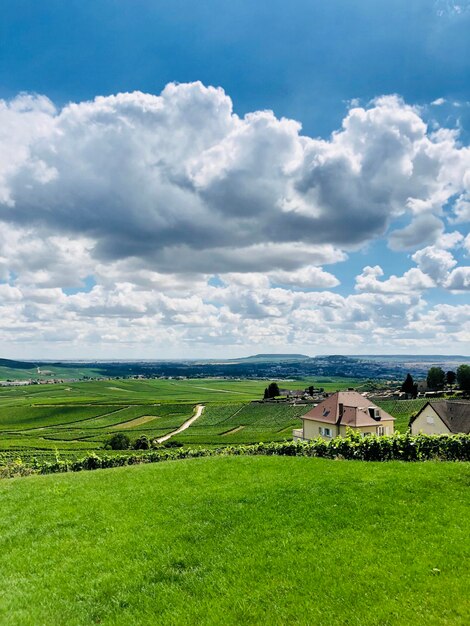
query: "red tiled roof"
355, 412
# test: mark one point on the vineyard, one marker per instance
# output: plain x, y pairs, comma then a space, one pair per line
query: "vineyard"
68, 421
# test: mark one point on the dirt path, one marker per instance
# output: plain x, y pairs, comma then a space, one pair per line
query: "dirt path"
199, 409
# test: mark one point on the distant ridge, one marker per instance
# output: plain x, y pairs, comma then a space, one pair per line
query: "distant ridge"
258, 358
20, 365
413, 357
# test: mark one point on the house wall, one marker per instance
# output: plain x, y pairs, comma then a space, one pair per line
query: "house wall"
312, 429
387, 424
422, 423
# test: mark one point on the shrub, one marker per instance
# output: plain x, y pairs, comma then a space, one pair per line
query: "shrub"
398, 447
119, 441
142, 443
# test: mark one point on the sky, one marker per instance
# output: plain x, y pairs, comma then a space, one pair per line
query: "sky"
217, 179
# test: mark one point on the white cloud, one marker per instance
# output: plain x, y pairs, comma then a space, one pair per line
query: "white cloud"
307, 277
412, 281
447, 241
182, 183
462, 209
203, 230
459, 279
434, 262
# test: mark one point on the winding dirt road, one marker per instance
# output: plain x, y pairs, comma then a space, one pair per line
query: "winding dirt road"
199, 409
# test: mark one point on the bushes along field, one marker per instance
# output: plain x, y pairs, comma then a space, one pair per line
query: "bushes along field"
397, 447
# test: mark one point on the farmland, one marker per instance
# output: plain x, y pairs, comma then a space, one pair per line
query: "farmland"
68, 420
252, 540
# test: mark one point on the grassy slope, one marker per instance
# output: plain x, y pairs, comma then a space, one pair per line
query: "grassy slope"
238, 540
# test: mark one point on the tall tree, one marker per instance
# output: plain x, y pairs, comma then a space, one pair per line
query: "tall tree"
408, 385
436, 378
463, 377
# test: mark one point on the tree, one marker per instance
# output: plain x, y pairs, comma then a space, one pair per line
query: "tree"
266, 394
119, 441
463, 377
273, 391
311, 389
451, 377
409, 386
436, 378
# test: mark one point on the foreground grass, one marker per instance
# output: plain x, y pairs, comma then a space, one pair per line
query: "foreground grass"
238, 540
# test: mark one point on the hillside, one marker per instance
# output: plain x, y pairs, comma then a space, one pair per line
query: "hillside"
290, 366
270, 358
238, 540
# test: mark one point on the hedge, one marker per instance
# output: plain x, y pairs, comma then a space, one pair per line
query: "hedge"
397, 447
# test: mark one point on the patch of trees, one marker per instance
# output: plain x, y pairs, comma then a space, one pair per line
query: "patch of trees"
437, 379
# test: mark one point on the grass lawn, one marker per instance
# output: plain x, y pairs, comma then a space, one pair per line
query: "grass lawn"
263, 540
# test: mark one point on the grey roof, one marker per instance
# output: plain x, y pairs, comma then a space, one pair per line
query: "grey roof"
455, 415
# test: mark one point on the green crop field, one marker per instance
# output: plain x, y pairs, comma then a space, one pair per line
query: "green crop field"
239, 540
243, 423
70, 419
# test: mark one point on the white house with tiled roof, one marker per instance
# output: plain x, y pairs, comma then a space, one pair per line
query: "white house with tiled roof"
341, 410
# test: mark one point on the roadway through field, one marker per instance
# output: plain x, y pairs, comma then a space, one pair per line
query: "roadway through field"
199, 409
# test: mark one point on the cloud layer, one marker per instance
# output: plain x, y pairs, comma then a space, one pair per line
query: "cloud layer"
135, 216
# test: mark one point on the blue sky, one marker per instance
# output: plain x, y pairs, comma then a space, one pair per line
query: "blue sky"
304, 60
97, 259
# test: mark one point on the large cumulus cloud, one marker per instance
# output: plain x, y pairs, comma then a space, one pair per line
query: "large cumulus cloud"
137, 221
183, 183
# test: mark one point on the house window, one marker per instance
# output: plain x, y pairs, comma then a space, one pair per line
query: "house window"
430, 420
380, 430
366, 434
326, 432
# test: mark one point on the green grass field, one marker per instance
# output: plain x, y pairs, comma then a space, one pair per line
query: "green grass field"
245, 540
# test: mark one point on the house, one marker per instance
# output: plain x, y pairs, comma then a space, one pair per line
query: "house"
341, 410
442, 417
292, 393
